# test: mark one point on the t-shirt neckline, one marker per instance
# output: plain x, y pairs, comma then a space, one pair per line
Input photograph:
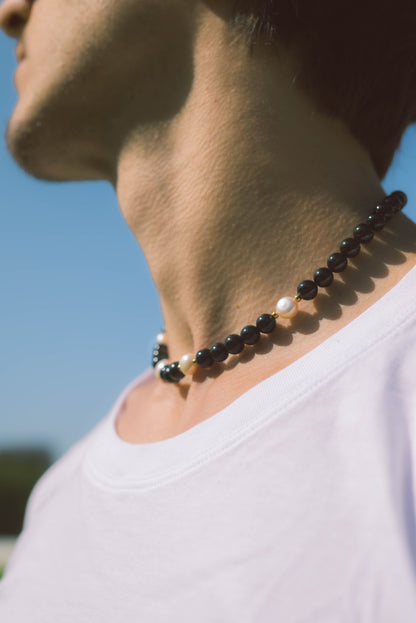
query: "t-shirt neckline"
114, 463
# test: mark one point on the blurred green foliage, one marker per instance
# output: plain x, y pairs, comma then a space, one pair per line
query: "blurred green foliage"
20, 469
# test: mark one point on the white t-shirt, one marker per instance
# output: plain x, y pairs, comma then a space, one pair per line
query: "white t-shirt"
294, 504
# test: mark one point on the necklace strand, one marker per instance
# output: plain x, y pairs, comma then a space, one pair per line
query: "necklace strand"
286, 307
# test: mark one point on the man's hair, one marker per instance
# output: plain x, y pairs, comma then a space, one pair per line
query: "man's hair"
356, 60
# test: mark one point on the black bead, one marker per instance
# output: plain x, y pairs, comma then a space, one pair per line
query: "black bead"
395, 205
160, 351
203, 358
307, 290
165, 375
218, 352
386, 208
250, 334
163, 351
400, 196
363, 233
376, 221
337, 262
234, 344
266, 323
174, 372
350, 247
323, 277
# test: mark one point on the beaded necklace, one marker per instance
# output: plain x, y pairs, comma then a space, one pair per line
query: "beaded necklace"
286, 307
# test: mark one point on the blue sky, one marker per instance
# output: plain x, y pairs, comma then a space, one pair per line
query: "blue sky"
78, 308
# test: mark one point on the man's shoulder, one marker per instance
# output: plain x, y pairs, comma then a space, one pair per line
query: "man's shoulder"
55, 477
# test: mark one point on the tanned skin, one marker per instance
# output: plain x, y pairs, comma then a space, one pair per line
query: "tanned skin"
232, 182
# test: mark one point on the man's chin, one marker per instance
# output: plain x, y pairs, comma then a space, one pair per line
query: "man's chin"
44, 154
24, 142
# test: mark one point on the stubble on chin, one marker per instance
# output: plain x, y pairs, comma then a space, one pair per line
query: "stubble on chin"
24, 143
41, 149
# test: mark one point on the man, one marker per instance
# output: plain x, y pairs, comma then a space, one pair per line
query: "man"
244, 143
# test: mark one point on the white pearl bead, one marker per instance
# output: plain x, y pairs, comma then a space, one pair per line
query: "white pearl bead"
286, 307
186, 363
158, 367
161, 338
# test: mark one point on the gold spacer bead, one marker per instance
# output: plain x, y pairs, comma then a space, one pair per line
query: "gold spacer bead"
193, 361
275, 314
298, 298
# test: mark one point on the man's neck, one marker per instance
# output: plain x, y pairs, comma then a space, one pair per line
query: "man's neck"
244, 194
